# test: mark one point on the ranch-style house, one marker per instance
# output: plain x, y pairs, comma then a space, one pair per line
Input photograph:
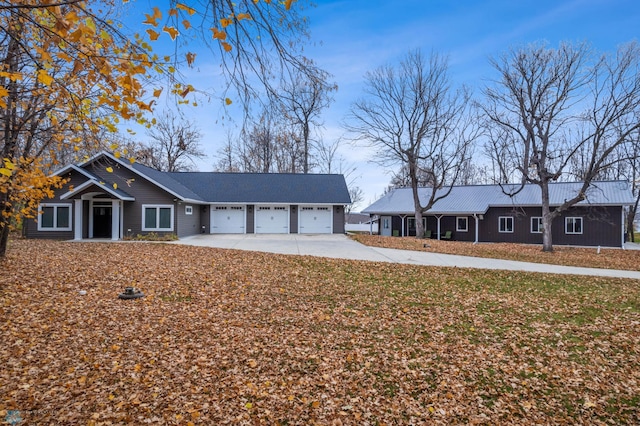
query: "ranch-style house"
107, 197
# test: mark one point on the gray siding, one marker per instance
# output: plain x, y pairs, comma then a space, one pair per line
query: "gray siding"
188, 224
338, 219
601, 226
31, 225
205, 219
293, 219
251, 219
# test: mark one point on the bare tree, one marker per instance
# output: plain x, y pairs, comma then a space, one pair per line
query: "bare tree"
551, 105
174, 145
413, 117
302, 98
330, 161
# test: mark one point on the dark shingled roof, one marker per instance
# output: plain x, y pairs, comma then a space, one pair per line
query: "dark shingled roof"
245, 188
165, 179
265, 187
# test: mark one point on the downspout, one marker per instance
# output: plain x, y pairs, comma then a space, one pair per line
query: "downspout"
438, 219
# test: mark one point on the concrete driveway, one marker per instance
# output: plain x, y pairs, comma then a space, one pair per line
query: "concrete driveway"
341, 247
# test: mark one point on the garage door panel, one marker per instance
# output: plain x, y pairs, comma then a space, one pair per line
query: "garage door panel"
316, 220
227, 220
272, 220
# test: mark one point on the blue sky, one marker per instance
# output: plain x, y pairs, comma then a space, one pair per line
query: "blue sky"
351, 37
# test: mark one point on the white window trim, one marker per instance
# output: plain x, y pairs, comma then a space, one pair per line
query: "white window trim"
157, 207
466, 224
512, 224
55, 217
566, 223
188, 210
539, 220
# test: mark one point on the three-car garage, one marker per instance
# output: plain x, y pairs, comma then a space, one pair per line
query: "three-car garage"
271, 219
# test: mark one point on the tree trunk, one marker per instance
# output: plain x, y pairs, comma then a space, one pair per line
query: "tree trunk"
547, 219
419, 225
4, 224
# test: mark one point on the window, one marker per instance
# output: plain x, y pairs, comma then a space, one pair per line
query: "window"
536, 225
157, 218
505, 224
573, 225
188, 210
54, 217
462, 224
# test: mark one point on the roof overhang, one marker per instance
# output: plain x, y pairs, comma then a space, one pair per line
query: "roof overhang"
117, 193
129, 167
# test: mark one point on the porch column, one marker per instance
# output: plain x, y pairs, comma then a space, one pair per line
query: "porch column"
402, 218
115, 220
475, 216
438, 218
77, 225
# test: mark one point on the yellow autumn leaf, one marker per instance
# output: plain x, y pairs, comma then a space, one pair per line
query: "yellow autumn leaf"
153, 19
115, 186
228, 101
116, 154
132, 160
9, 164
248, 406
4, 171
225, 22
3, 94
220, 35
241, 16
315, 404
173, 33
191, 57
186, 24
113, 146
227, 47
157, 92
287, 4
109, 169
44, 77
186, 8
153, 35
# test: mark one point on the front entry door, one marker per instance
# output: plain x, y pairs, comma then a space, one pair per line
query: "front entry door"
101, 221
385, 226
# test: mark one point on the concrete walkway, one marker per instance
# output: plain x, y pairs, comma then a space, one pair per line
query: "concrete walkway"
342, 247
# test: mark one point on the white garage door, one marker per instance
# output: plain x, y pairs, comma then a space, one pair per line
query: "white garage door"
315, 220
227, 219
272, 220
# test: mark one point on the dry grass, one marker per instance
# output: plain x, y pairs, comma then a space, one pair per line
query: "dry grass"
229, 337
608, 258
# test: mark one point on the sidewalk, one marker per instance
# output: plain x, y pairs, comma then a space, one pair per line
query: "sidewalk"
341, 247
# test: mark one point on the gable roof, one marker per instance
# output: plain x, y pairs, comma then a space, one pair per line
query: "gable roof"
92, 180
213, 187
477, 199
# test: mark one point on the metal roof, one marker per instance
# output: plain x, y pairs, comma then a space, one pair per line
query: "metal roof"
476, 199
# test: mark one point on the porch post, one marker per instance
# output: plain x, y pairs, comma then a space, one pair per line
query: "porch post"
402, 225
475, 216
115, 220
438, 218
77, 225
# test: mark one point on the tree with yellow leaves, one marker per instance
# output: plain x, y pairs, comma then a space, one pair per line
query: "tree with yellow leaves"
68, 72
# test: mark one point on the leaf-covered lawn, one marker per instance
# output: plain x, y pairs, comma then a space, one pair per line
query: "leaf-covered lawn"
230, 337
608, 258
